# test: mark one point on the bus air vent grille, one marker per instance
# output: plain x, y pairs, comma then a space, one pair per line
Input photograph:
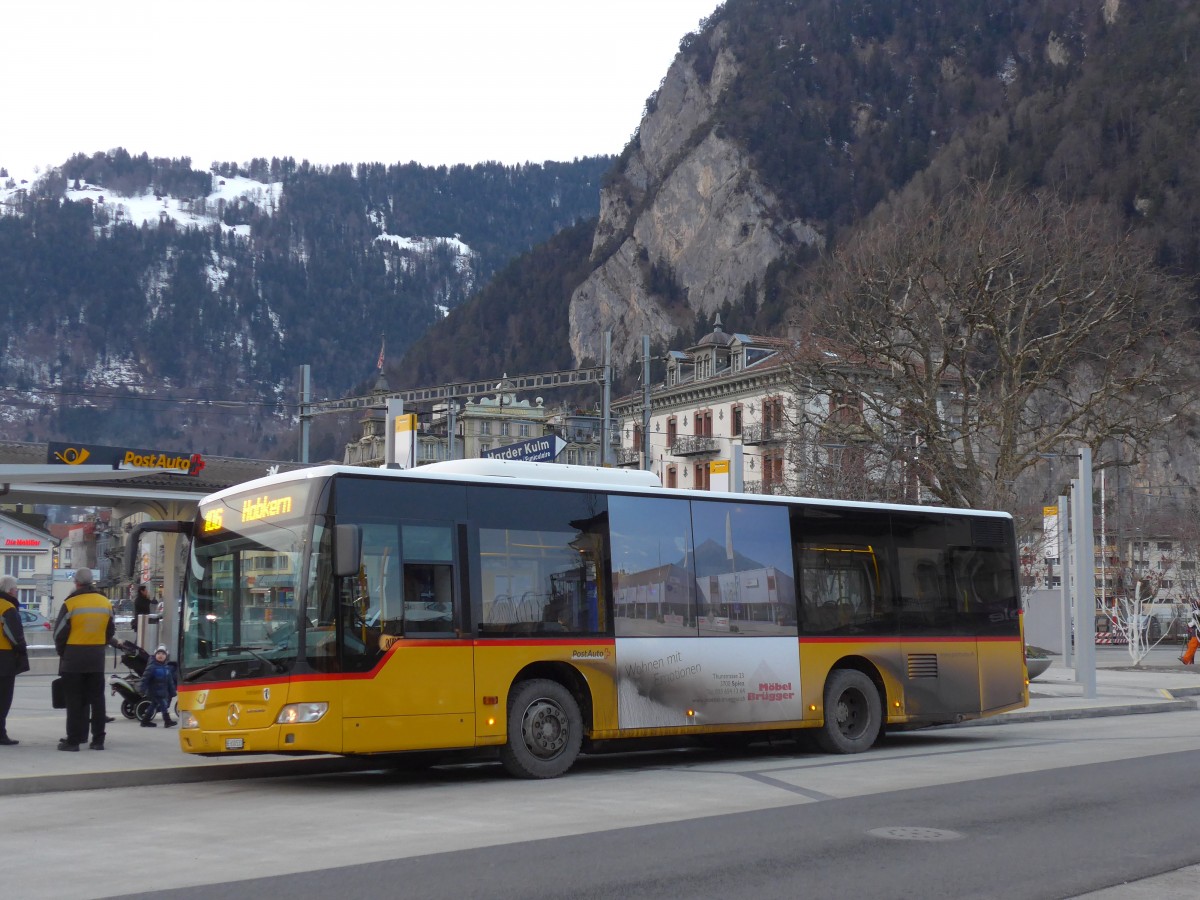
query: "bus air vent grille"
988, 532
922, 665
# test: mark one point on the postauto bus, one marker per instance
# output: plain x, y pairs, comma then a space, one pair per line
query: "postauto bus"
536, 610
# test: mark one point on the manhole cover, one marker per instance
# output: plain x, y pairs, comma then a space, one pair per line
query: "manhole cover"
912, 833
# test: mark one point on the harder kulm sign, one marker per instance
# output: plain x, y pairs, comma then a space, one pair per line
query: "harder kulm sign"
124, 458
540, 449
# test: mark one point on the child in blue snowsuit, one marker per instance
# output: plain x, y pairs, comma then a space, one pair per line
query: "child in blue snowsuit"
158, 684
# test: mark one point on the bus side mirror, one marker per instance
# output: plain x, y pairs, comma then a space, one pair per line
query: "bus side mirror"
347, 550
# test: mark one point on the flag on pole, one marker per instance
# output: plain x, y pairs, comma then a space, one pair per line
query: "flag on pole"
379, 365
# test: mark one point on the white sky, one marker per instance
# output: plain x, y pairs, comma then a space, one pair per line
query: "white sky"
438, 82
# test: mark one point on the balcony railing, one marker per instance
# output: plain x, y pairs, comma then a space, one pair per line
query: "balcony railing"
628, 456
693, 445
760, 433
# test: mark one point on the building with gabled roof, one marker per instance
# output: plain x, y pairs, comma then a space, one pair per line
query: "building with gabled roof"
726, 391
729, 406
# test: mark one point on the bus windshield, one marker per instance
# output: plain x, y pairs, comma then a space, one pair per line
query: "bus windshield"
240, 614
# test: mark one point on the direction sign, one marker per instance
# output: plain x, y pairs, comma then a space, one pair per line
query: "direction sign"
542, 449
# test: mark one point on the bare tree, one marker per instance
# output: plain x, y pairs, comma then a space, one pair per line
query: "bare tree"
1151, 567
981, 333
831, 464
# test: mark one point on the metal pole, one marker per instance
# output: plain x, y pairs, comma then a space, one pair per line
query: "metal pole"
646, 402
305, 414
395, 408
451, 426
605, 424
1064, 559
1085, 576
1103, 549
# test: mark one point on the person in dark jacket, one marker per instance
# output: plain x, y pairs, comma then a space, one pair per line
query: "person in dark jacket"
141, 604
82, 631
14, 657
158, 684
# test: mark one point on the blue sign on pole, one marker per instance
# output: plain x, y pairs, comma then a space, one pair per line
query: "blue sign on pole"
542, 449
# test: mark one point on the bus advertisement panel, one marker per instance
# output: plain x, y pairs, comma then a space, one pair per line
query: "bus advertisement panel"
682, 681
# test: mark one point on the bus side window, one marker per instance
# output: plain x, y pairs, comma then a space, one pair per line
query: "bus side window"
428, 598
540, 582
427, 589
847, 581
840, 593
925, 602
988, 598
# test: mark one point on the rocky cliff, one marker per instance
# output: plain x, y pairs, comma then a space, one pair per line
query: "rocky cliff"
686, 201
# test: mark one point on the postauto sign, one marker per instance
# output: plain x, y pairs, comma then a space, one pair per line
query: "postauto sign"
124, 458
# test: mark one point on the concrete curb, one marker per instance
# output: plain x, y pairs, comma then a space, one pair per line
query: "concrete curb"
95, 781
1083, 712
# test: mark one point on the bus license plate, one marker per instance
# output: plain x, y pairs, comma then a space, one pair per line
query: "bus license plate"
235, 743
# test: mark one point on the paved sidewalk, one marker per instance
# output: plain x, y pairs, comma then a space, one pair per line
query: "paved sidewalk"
1120, 691
132, 755
142, 756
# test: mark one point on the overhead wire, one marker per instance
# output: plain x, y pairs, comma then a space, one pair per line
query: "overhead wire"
223, 404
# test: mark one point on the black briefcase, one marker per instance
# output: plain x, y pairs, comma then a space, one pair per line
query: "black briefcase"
58, 696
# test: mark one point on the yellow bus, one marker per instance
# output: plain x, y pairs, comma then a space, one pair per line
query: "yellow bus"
536, 610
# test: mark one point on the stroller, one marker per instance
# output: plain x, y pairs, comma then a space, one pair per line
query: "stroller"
134, 704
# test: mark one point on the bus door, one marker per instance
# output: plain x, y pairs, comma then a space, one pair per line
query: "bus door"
403, 634
940, 652
847, 607
989, 605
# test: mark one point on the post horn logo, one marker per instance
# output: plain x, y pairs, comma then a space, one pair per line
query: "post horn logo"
73, 457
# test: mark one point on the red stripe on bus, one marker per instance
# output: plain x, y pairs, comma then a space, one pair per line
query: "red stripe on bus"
912, 639
557, 642
543, 642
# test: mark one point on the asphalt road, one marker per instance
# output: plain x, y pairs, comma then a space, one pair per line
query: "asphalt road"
1037, 835
1025, 810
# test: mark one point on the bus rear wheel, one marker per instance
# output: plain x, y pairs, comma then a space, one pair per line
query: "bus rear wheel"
545, 730
853, 713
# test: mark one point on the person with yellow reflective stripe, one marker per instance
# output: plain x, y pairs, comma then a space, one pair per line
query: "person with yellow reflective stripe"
13, 658
83, 629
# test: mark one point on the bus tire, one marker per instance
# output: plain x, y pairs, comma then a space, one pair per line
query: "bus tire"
545, 730
853, 713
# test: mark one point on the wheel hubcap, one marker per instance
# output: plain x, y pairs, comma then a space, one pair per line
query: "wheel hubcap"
850, 714
545, 729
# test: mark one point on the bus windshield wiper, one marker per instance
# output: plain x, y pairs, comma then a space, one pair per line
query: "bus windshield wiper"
253, 651
204, 670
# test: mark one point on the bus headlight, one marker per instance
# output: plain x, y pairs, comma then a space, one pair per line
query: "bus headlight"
301, 713
187, 719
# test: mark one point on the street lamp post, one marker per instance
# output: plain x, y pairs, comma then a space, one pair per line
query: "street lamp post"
501, 386
452, 427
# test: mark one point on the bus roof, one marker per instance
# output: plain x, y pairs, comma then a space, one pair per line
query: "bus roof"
536, 471
531, 474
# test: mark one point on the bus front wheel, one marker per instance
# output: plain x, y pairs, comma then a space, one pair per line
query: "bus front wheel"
853, 713
545, 730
